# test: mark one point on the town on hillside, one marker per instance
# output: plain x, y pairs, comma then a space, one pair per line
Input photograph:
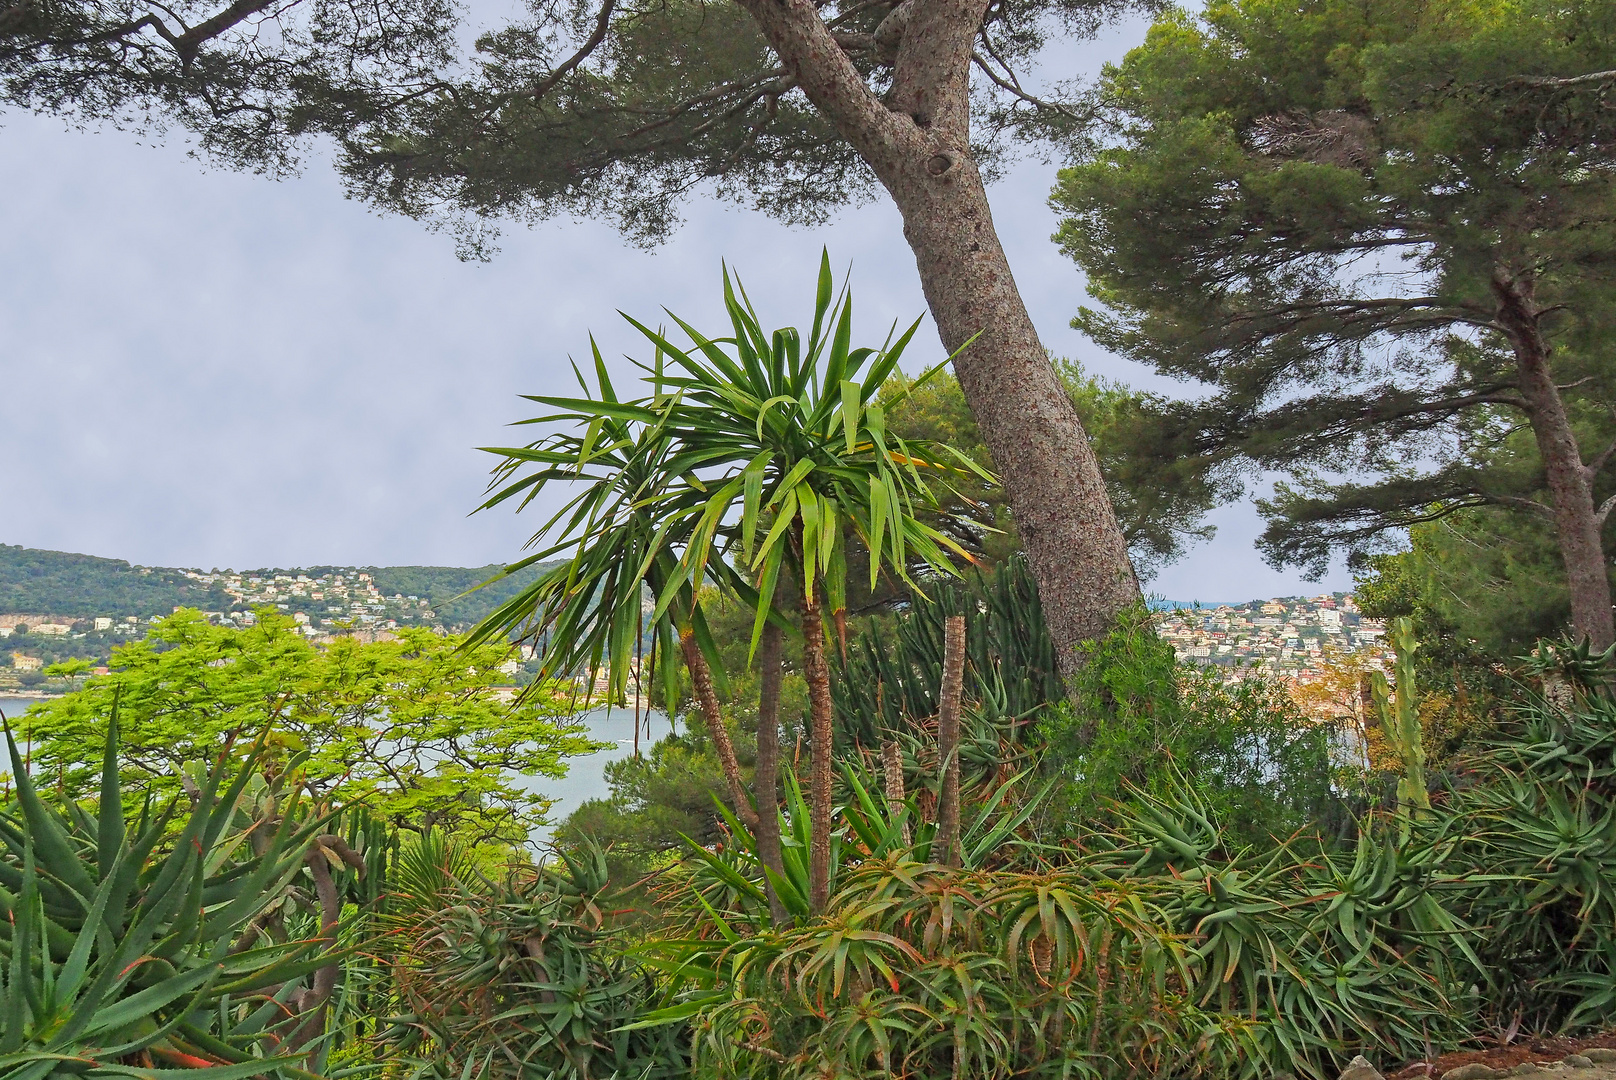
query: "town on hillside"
1292, 638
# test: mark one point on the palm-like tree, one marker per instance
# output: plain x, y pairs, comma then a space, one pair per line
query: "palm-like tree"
623, 528
754, 455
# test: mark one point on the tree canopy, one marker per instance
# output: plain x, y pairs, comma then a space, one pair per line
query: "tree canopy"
1160, 496
410, 727
622, 108
1385, 235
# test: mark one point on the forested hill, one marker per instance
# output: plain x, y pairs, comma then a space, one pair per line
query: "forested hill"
60, 583
442, 584
37, 582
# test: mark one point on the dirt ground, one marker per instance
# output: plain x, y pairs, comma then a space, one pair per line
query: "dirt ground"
1550, 1052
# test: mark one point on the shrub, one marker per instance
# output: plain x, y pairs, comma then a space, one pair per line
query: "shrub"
1138, 721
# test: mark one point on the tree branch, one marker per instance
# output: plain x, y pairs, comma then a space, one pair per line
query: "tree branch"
603, 23
1013, 87
1575, 80
810, 54
1522, 504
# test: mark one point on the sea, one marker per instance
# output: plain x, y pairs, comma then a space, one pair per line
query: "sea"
586, 776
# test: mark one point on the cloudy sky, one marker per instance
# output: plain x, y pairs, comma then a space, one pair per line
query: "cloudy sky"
203, 368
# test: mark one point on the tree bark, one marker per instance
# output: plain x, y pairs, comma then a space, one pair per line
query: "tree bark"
770, 669
816, 672
892, 769
701, 680
1577, 521
946, 848
917, 142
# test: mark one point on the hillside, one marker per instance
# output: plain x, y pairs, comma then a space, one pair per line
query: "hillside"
439, 586
34, 581
61, 583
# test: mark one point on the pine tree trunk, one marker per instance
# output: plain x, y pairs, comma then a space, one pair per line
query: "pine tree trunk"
916, 139
1068, 529
764, 777
1577, 521
701, 680
816, 672
946, 847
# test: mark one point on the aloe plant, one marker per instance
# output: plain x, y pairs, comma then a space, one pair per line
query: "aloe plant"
130, 948
519, 978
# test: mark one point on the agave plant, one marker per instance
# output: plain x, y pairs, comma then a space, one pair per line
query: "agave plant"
924, 970
134, 948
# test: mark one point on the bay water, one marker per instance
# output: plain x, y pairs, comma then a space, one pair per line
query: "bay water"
586, 775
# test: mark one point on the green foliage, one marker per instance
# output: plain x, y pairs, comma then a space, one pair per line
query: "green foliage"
134, 944
726, 878
527, 976
1138, 721
1270, 161
1160, 495
55, 582
926, 971
794, 452
411, 727
1169, 948
1478, 584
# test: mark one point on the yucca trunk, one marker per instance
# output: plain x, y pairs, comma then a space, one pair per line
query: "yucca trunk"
764, 777
816, 672
892, 767
946, 848
701, 681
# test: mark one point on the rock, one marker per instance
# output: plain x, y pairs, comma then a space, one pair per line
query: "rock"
1525, 1068
1474, 1071
1600, 1055
1577, 1061
1360, 1069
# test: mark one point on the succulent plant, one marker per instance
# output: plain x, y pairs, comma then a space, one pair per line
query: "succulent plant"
133, 948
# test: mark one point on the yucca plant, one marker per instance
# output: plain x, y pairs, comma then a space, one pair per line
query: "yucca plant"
751, 455
129, 949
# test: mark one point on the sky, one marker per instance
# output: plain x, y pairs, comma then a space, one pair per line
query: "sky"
213, 369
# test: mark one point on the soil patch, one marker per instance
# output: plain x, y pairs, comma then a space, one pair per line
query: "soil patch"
1501, 1058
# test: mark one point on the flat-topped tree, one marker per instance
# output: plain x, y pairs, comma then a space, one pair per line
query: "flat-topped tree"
1385, 234
621, 108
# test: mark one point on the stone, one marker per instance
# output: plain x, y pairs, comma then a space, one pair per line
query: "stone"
1525, 1068
1600, 1055
1473, 1071
1360, 1069
1577, 1061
